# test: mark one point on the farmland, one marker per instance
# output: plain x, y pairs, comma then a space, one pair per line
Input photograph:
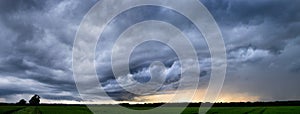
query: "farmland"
165, 110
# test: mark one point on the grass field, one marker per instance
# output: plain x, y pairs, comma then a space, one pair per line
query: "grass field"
166, 110
8, 109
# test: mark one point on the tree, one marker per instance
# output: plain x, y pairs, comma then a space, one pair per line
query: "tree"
35, 100
21, 102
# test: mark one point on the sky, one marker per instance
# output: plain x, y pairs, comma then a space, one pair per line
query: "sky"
262, 40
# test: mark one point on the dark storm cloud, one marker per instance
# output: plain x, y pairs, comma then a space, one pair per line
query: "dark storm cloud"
266, 24
261, 36
36, 44
10, 6
295, 68
146, 53
6, 92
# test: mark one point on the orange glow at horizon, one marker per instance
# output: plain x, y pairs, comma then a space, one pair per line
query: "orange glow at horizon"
198, 97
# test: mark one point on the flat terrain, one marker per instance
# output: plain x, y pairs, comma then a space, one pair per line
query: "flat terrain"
165, 110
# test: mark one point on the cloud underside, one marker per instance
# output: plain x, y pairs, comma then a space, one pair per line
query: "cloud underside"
262, 42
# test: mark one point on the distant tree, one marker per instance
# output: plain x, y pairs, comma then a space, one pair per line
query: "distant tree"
35, 100
21, 102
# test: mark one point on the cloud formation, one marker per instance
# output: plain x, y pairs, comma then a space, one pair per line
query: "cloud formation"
261, 37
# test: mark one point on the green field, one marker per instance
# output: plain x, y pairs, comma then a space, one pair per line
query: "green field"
166, 110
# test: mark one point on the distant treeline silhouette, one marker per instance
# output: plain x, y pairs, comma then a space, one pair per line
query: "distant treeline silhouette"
220, 104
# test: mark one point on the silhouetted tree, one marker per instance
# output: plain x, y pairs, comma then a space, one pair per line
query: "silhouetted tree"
21, 102
35, 100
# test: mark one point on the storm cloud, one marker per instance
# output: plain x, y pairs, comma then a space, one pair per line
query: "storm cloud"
261, 37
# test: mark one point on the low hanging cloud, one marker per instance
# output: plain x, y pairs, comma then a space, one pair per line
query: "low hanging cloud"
36, 47
262, 38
